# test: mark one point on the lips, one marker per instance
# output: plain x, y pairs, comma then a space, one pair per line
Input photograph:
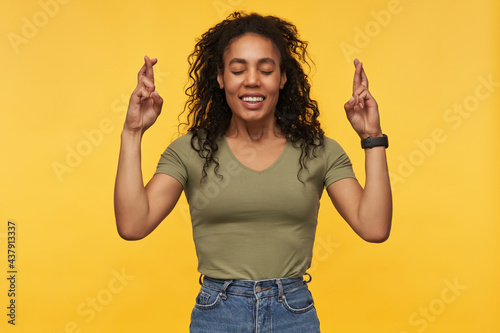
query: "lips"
252, 101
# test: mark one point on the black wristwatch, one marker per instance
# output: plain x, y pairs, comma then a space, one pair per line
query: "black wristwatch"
370, 142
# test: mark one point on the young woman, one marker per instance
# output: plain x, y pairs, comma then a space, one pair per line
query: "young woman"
253, 167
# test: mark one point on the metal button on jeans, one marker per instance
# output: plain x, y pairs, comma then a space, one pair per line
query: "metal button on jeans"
252, 306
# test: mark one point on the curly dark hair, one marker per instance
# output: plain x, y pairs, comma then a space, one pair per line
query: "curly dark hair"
209, 114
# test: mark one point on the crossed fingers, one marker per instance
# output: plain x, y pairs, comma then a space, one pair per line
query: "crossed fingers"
359, 76
145, 77
147, 69
360, 84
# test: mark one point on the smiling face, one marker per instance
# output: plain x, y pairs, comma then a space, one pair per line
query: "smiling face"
252, 78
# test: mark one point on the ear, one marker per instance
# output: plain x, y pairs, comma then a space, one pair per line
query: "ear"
220, 78
283, 80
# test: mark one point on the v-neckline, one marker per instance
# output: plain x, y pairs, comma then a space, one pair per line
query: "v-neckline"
272, 166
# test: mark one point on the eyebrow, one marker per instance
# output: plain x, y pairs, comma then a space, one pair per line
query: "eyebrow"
261, 61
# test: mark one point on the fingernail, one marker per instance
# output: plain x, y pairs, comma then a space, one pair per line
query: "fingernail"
156, 94
351, 100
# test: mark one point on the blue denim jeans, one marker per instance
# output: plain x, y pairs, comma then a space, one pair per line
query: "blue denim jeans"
241, 306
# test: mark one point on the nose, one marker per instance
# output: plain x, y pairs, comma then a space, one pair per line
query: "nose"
252, 78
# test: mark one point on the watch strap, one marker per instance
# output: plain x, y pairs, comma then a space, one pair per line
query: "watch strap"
371, 142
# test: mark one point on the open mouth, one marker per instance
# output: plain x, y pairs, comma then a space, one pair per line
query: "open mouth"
252, 99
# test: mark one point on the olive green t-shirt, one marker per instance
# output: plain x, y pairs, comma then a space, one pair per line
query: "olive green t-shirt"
254, 225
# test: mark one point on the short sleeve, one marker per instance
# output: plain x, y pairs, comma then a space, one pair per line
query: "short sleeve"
174, 159
338, 164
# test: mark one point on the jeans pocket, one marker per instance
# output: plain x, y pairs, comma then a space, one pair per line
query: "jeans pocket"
298, 300
207, 299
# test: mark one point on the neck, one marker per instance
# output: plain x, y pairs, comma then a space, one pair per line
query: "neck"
254, 132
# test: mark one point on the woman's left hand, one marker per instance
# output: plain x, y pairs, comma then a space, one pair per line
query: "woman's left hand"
362, 109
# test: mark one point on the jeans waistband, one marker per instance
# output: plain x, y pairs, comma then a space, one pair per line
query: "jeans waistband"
260, 288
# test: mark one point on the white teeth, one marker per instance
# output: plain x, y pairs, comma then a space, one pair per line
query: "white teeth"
253, 99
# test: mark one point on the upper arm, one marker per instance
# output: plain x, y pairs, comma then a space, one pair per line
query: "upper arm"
346, 195
163, 192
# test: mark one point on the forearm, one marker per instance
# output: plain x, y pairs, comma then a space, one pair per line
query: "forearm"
130, 199
375, 207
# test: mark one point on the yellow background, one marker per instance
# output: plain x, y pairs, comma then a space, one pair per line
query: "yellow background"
71, 77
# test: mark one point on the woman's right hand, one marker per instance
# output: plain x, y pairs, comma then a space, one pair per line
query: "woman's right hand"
145, 103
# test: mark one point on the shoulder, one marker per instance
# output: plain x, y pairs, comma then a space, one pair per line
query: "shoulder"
332, 146
333, 154
187, 144
329, 148
337, 162
182, 140
179, 149
182, 143
193, 139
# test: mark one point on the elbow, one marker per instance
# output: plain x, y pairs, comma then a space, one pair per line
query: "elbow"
378, 235
376, 238
129, 234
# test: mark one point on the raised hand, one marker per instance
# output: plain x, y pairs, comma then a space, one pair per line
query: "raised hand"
362, 109
145, 103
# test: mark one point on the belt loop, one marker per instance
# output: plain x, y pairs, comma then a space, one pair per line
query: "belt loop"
310, 278
280, 290
224, 287
201, 279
